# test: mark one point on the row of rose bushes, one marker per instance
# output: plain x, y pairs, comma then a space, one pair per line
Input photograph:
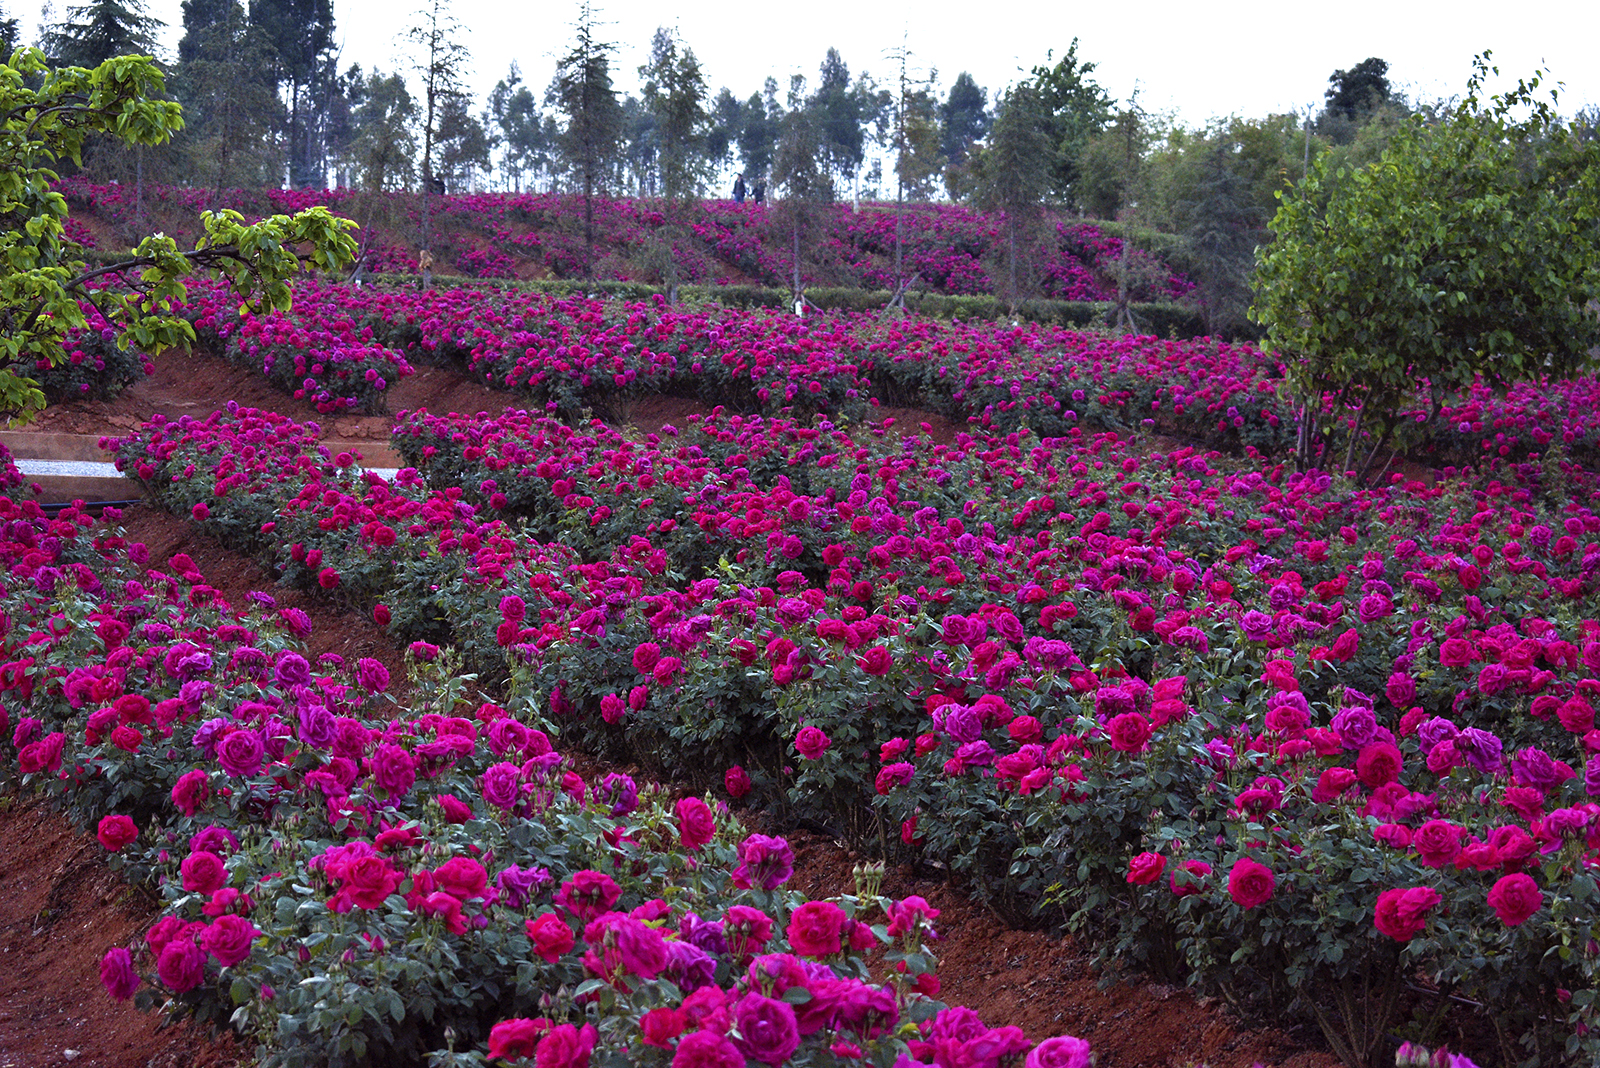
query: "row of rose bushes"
1054, 666
350, 877
946, 246
342, 346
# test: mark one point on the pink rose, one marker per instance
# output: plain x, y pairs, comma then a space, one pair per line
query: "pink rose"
117, 974
229, 939
815, 929
1514, 898
1146, 868
566, 1047
695, 824
1250, 883
1063, 1051
1403, 913
812, 742
1129, 732
116, 831
550, 935
203, 873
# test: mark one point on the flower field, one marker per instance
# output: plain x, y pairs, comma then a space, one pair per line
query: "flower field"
950, 249
1320, 750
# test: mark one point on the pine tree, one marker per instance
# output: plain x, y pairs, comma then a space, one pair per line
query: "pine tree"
583, 93
99, 30
440, 62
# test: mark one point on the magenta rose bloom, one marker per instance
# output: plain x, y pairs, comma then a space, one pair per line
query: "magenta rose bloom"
588, 894
768, 1030
117, 974
1146, 868
203, 873
229, 938
1437, 842
695, 824
241, 753
812, 742
765, 861
1514, 898
875, 661
707, 1049
368, 882
736, 782
1250, 883
116, 831
815, 929
501, 785
1403, 913
372, 675
566, 1046
462, 878
1189, 877
1129, 732
181, 965
393, 768
1063, 1051
515, 1038
550, 935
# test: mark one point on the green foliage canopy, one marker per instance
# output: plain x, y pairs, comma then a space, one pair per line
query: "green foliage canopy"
43, 275
1470, 248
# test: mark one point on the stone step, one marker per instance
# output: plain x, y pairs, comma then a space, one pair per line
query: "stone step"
95, 480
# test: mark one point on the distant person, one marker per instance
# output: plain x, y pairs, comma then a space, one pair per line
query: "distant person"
761, 191
738, 189
438, 186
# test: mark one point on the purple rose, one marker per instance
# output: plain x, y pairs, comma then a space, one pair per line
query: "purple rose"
502, 785
518, 885
768, 1031
689, 966
1357, 727
621, 792
764, 861
1539, 769
372, 675
393, 768
240, 752
963, 722
292, 670
1436, 730
117, 974
1257, 626
1481, 748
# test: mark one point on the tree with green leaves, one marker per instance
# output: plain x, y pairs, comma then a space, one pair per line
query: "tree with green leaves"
384, 144
100, 29
439, 60
1076, 108
727, 119
1470, 251
963, 122
301, 32
674, 92
800, 176
758, 132
10, 35
583, 93
1012, 177
839, 108
46, 116
525, 136
231, 109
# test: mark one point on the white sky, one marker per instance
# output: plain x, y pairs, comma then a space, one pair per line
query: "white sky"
1198, 59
